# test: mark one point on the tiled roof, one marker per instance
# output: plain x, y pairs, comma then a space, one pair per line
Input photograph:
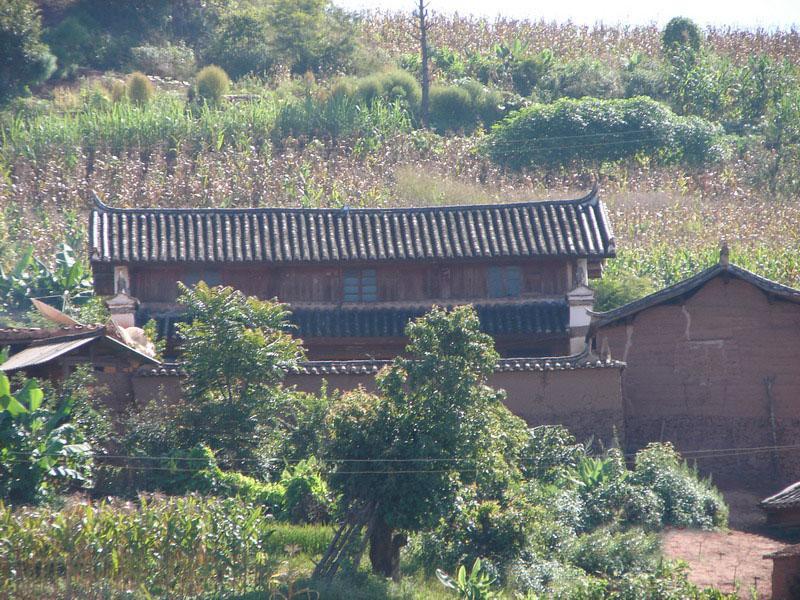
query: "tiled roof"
691, 285
527, 317
786, 498
577, 227
22, 335
371, 367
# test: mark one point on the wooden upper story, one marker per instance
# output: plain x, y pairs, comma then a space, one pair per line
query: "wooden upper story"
468, 252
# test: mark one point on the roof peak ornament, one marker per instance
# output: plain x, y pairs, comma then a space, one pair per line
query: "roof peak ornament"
724, 254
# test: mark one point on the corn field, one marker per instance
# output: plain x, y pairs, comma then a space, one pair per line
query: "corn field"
158, 547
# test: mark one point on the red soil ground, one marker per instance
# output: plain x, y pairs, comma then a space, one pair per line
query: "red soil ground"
729, 560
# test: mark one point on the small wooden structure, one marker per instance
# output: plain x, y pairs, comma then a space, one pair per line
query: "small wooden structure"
783, 509
785, 573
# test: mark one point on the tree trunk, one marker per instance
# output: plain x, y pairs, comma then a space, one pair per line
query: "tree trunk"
423, 42
384, 549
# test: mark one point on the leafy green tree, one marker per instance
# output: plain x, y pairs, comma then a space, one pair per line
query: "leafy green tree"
241, 44
41, 449
681, 34
311, 35
397, 449
235, 350
24, 59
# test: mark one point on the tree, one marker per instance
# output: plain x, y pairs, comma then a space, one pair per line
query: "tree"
681, 34
394, 452
236, 350
311, 35
422, 16
24, 59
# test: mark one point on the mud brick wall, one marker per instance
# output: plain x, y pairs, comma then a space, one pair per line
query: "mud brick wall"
718, 370
588, 401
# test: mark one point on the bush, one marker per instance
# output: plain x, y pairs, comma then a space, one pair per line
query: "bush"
581, 78
681, 34
176, 61
212, 84
615, 290
311, 35
488, 105
74, 45
688, 501
139, 88
24, 59
612, 554
241, 45
644, 77
391, 86
602, 130
527, 71
451, 109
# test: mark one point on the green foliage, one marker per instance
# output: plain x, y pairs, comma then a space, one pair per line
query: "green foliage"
581, 78
613, 554
527, 71
614, 290
688, 501
139, 88
241, 44
74, 44
24, 59
336, 118
311, 35
602, 130
41, 450
550, 452
451, 109
476, 585
390, 86
680, 34
170, 60
171, 547
212, 84
235, 350
69, 279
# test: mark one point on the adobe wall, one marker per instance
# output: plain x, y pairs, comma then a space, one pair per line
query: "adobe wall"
697, 375
587, 401
785, 577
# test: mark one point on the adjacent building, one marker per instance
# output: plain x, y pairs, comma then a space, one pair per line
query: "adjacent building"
355, 277
712, 366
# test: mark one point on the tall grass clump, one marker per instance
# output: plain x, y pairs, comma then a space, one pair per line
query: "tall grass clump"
212, 84
165, 547
140, 89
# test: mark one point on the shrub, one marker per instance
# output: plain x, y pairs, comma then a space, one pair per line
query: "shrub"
451, 109
488, 105
644, 77
390, 86
241, 45
24, 59
74, 45
613, 554
688, 501
527, 71
581, 78
117, 90
212, 84
139, 88
615, 290
171, 60
679, 34
311, 35
602, 130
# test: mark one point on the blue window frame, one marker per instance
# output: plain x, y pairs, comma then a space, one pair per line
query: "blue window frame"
504, 282
360, 285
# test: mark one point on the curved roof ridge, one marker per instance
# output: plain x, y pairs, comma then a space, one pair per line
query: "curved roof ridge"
691, 283
591, 198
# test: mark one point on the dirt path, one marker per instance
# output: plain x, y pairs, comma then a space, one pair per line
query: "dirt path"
724, 559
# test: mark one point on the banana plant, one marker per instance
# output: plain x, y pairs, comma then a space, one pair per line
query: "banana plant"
39, 447
69, 279
475, 585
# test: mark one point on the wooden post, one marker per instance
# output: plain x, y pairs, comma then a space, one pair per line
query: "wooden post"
422, 15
